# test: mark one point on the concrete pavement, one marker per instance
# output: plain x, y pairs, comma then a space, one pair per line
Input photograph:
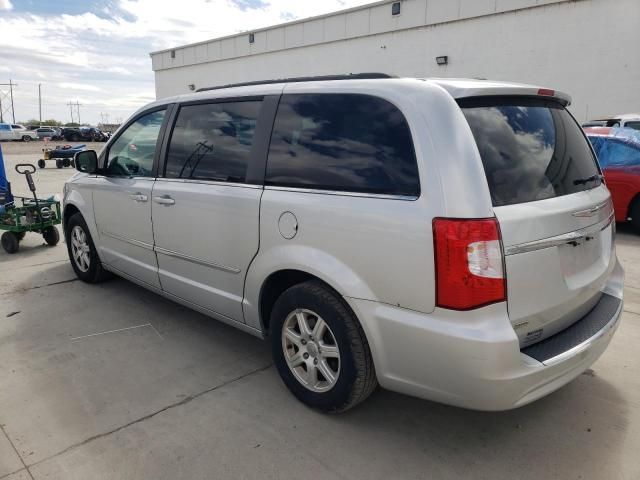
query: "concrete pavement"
114, 382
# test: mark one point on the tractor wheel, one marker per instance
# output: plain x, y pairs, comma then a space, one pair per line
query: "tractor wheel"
66, 162
59, 163
41, 163
10, 242
51, 236
20, 235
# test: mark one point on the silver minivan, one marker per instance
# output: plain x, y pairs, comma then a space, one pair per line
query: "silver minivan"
448, 239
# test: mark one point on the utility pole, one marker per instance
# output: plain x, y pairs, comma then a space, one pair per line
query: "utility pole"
13, 112
40, 101
7, 96
78, 110
71, 110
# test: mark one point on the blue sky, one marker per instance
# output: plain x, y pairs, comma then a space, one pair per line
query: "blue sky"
97, 52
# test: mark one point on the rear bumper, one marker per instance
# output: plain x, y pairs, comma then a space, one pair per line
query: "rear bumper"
473, 359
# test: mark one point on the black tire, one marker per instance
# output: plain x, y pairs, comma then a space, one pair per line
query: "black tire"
95, 273
356, 379
634, 213
26, 138
59, 163
51, 236
10, 242
73, 163
41, 163
66, 162
20, 235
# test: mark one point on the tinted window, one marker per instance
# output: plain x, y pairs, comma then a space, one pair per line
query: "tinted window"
213, 141
342, 142
616, 152
634, 125
531, 149
132, 153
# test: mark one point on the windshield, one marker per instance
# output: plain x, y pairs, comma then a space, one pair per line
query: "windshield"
531, 149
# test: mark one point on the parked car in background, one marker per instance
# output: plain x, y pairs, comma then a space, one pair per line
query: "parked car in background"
10, 131
370, 229
627, 120
54, 133
618, 151
84, 134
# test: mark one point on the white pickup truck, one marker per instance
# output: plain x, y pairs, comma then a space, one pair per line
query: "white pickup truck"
10, 131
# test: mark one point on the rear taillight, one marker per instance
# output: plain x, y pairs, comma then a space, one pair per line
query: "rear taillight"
469, 263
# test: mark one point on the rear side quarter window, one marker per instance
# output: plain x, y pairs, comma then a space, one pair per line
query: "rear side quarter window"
342, 142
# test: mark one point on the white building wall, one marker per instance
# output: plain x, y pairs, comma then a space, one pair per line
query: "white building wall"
588, 48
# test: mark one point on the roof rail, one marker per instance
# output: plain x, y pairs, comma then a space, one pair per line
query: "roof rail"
350, 76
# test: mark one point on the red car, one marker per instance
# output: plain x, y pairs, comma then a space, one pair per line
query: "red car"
618, 151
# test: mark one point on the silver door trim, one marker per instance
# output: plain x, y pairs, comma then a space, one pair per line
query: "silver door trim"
317, 191
199, 261
575, 236
137, 243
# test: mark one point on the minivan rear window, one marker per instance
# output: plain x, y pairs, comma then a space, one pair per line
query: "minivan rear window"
531, 149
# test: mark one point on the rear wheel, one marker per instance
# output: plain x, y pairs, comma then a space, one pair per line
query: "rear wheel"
634, 213
51, 236
82, 251
59, 163
26, 138
41, 163
320, 349
9, 242
66, 162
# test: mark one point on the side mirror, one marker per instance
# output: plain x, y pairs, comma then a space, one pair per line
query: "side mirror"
86, 161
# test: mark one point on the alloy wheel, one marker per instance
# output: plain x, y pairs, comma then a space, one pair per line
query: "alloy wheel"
310, 350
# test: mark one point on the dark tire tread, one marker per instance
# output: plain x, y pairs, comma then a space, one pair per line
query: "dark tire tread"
96, 273
366, 381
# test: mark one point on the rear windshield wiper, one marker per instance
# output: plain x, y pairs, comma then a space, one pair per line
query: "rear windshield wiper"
584, 181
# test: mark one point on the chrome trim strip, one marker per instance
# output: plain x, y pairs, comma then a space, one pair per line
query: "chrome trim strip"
589, 342
199, 261
590, 212
406, 198
209, 182
137, 243
558, 240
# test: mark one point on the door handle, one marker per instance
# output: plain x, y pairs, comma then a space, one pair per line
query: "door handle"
164, 200
139, 197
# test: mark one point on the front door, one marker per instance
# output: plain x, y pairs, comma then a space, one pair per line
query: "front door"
205, 215
122, 200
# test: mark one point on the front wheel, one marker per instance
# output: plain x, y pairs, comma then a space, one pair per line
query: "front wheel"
82, 251
320, 349
51, 236
41, 163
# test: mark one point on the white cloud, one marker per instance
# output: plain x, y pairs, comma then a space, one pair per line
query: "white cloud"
106, 59
5, 5
79, 86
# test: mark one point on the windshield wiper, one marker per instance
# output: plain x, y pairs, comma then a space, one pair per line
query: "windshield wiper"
584, 181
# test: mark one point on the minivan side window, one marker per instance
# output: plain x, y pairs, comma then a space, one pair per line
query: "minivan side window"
342, 142
132, 153
213, 141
